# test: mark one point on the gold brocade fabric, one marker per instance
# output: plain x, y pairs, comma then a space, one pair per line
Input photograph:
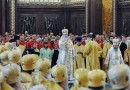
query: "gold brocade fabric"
116, 58
91, 52
106, 47
127, 56
107, 16
79, 59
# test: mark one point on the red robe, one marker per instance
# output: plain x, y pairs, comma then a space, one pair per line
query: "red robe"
40, 45
49, 45
25, 43
55, 46
31, 44
100, 43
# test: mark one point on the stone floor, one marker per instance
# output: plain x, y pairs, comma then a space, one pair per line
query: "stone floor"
107, 87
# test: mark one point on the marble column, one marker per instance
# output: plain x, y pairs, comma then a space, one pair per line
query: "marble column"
87, 15
13, 15
114, 15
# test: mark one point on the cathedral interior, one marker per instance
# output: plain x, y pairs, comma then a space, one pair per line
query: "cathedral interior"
79, 16
63, 44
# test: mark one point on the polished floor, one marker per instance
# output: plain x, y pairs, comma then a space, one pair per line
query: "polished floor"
107, 86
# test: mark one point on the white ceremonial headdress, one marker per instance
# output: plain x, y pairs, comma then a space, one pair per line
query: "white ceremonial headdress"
115, 41
65, 31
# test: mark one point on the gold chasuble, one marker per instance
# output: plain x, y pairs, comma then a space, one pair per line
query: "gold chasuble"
92, 52
79, 59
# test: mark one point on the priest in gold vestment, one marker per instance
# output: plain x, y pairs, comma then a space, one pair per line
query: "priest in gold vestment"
92, 52
79, 59
127, 54
106, 48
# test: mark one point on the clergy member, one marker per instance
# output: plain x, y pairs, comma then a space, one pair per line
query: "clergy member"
79, 61
114, 56
92, 53
66, 53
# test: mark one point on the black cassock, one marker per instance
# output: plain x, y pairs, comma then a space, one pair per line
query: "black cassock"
30, 51
123, 47
54, 57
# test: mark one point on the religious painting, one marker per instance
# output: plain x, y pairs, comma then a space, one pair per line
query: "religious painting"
52, 24
28, 24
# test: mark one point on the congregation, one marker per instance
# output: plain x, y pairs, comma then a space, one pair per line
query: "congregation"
49, 62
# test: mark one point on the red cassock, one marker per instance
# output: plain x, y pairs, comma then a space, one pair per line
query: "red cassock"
100, 43
31, 44
40, 45
49, 45
55, 46
83, 43
25, 43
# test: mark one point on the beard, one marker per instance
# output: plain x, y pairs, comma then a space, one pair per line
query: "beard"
65, 38
78, 44
115, 48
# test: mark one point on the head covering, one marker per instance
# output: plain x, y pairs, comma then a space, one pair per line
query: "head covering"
12, 73
96, 78
115, 41
3, 84
14, 56
16, 37
119, 76
79, 38
25, 77
89, 36
93, 36
4, 58
26, 32
9, 45
43, 66
3, 48
81, 77
59, 73
28, 62
65, 31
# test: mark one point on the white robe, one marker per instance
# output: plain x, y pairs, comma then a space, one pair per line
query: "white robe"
66, 54
113, 58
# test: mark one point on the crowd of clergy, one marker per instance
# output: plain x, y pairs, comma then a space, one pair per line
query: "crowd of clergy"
50, 62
